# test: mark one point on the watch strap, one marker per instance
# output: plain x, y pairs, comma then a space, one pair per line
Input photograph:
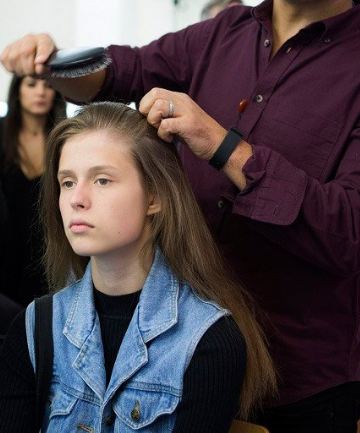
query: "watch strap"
226, 148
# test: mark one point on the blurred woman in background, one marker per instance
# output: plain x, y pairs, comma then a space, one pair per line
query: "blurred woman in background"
33, 109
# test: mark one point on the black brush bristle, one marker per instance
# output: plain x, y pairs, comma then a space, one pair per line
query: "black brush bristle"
77, 62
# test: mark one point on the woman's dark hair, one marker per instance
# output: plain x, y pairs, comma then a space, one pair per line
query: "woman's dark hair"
13, 122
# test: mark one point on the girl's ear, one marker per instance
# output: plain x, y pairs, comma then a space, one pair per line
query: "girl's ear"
154, 204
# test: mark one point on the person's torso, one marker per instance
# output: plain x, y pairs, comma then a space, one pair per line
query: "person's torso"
22, 275
146, 382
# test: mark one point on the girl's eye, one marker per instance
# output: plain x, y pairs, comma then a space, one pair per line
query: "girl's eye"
103, 181
68, 184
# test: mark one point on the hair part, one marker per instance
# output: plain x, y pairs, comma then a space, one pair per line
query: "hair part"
179, 229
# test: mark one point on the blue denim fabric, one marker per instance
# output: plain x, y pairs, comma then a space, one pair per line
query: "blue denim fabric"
147, 379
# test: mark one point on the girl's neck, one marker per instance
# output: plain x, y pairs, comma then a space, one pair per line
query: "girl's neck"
120, 276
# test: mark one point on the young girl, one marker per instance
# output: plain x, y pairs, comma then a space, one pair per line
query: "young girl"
144, 340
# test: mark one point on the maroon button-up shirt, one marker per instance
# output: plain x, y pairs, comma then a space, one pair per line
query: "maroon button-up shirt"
292, 234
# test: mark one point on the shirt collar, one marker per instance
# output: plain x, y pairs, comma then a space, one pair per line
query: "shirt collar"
345, 22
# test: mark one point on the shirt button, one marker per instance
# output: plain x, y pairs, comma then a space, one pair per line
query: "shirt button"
288, 50
266, 43
327, 40
221, 204
259, 98
110, 420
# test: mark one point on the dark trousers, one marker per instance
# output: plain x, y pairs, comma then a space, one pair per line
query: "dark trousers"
335, 410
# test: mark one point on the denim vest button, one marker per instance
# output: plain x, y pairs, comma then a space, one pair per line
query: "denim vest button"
135, 413
110, 420
221, 204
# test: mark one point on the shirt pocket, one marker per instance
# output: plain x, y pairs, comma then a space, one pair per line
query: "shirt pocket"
304, 137
146, 410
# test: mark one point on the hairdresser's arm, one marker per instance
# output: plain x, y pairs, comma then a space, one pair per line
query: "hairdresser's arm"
316, 221
28, 56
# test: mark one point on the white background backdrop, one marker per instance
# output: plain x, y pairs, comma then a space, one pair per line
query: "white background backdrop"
94, 22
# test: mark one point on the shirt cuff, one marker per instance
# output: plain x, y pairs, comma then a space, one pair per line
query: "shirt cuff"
274, 190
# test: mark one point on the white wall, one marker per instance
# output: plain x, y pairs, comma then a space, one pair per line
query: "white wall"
188, 11
19, 17
94, 22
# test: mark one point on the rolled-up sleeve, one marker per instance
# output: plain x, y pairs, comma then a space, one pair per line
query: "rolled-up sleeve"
274, 190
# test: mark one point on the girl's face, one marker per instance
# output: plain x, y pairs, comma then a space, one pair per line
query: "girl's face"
103, 203
35, 96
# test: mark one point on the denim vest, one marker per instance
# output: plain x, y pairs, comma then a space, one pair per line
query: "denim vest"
146, 384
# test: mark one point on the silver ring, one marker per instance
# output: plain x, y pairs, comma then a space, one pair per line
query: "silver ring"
171, 109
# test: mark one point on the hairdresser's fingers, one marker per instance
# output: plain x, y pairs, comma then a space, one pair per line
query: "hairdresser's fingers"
187, 121
160, 98
28, 55
159, 111
45, 47
165, 132
19, 56
155, 105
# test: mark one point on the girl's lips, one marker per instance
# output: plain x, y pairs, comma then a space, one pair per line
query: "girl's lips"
80, 227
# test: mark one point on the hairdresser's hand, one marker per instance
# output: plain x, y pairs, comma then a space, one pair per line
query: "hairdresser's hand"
189, 123
28, 55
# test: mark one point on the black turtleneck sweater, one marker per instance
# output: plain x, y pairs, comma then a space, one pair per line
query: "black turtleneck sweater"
212, 382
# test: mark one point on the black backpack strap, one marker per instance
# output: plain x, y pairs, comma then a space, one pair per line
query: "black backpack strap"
44, 353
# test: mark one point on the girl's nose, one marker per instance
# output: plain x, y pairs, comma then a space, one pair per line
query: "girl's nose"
80, 198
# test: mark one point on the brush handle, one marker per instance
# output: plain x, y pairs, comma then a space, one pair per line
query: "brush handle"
75, 57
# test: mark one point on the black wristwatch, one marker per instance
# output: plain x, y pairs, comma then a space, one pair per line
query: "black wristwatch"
226, 148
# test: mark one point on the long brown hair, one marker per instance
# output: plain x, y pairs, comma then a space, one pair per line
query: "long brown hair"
13, 122
179, 229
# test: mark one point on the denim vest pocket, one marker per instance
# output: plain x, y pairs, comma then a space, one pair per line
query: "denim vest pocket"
145, 409
62, 403
70, 413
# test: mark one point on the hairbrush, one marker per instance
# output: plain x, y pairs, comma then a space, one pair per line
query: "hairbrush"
77, 62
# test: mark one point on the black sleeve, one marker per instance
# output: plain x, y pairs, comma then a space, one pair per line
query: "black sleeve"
3, 207
3, 210
17, 381
213, 380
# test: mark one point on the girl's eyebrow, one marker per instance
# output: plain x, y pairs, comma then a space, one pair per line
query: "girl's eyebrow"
64, 173
92, 170
100, 168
